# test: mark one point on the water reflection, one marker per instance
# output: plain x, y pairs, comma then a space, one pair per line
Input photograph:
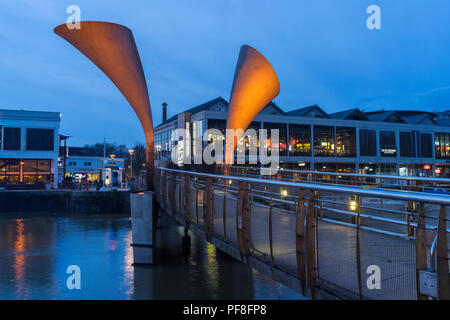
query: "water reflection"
35, 252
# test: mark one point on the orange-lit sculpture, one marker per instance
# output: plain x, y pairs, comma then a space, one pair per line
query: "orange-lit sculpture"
255, 85
112, 48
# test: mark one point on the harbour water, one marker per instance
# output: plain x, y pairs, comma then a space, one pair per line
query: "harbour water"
36, 250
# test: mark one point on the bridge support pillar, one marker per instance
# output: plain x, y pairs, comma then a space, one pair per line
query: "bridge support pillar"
143, 225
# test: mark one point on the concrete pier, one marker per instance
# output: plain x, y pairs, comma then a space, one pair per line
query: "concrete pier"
142, 227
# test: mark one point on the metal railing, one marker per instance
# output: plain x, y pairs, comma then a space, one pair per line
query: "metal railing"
407, 183
326, 236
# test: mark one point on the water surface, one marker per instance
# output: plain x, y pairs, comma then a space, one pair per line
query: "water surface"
35, 252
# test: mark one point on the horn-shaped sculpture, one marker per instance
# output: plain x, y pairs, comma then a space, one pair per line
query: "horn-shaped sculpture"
112, 48
255, 85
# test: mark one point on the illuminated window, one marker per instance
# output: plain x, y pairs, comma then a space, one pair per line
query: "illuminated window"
282, 134
324, 141
345, 142
299, 140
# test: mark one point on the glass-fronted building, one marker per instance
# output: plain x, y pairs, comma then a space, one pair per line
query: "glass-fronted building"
29, 148
413, 143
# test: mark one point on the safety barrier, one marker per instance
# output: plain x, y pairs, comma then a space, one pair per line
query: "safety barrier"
333, 239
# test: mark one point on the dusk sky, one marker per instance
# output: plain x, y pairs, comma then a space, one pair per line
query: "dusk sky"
321, 50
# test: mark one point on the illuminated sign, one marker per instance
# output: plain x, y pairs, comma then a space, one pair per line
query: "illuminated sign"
426, 167
390, 152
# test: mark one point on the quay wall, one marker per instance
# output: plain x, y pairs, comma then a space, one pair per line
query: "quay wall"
83, 202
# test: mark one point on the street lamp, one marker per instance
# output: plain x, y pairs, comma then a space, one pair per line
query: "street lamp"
131, 152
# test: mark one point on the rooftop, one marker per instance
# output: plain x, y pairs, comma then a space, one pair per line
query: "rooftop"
314, 111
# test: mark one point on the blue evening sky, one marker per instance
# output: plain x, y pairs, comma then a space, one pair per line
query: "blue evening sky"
321, 50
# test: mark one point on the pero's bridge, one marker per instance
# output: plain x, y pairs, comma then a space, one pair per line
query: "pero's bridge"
324, 240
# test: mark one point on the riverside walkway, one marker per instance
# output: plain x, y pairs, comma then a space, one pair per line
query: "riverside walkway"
321, 240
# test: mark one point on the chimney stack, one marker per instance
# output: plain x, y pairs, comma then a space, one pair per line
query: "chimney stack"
164, 112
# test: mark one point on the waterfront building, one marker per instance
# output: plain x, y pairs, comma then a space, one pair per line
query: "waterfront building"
413, 143
29, 148
83, 168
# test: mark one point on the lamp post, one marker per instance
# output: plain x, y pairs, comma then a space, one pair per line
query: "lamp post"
131, 151
103, 162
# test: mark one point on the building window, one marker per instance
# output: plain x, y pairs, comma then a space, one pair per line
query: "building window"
426, 145
197, 137
282, 135
388, 169
442, 145
40, 139
323, 141
387, 144
216, 124
407, 144
345, 142
14, 171
367, 143
299, 140
11, 140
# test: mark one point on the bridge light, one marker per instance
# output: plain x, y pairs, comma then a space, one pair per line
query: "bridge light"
284, 193
353, 205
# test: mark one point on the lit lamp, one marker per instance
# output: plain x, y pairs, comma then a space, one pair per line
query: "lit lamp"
353, 206
131, 152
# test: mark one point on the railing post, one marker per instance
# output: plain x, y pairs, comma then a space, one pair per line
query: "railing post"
172, 187
421, 249
208, 209
242, 221
271, 229
311, 243
358, 246
164, 178
300, 240
196, 202
187, 200
443, 282
224, 211
411, 210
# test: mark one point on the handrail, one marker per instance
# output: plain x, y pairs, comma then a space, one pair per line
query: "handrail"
386, 194
373, 176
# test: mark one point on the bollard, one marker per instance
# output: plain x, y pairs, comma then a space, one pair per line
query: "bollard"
142, 226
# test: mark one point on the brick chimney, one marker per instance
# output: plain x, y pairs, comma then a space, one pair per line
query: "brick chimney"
164, 112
